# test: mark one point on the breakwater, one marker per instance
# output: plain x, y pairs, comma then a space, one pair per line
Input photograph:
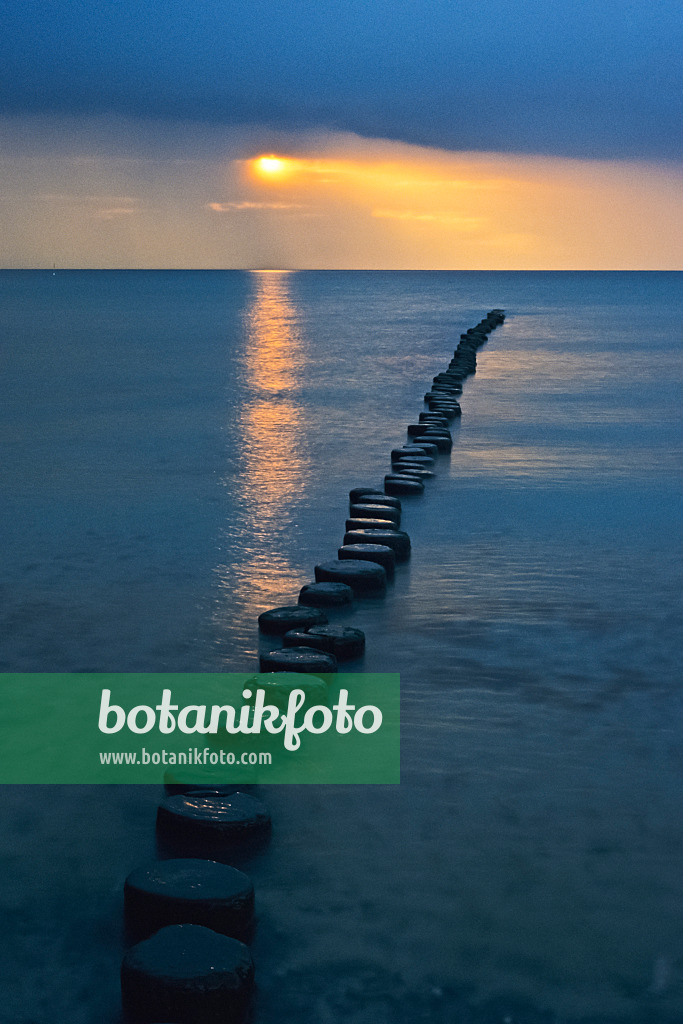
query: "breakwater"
190, 913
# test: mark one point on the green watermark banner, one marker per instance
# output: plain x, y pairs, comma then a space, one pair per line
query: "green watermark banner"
199, 728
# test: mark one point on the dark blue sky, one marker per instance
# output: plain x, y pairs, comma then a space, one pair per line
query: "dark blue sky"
590, 78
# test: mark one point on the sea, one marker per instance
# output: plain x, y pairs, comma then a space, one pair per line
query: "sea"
178, 447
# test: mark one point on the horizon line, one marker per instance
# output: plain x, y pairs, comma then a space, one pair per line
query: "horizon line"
353, 270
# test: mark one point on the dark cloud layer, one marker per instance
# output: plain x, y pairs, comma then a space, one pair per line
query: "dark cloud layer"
595, 78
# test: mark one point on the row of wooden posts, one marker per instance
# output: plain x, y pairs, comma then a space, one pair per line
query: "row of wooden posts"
190, 913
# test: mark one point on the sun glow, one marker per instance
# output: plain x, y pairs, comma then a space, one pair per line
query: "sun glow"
359, 203
331, 201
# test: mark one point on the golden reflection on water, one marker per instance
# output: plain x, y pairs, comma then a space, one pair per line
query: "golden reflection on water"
259, 573
274, 350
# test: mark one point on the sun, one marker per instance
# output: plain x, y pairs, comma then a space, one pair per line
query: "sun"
270, 166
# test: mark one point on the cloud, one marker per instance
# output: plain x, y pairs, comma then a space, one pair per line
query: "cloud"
250, 205
111, 212
566, 77
436, 216
64, 197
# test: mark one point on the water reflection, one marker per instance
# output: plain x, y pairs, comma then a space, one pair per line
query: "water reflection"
258, 572
536, 461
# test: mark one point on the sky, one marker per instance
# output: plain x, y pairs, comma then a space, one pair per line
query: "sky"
459, 134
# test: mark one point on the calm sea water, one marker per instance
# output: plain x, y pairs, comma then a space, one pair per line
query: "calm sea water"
177, 451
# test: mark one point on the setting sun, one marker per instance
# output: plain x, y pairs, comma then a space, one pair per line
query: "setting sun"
269, 166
